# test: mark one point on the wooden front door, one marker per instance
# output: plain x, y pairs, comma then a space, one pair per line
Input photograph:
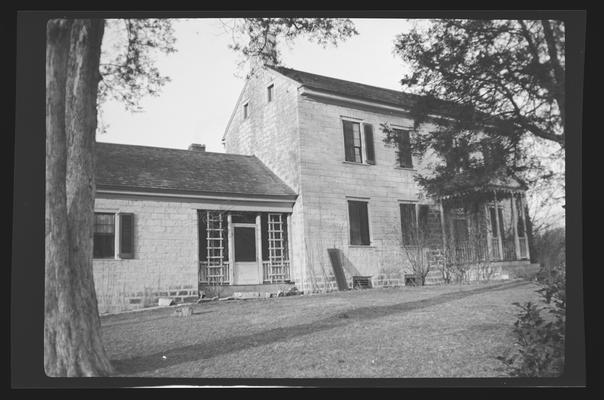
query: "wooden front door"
247, 270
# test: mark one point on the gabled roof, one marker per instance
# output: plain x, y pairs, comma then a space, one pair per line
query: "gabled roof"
349, 89
142, 168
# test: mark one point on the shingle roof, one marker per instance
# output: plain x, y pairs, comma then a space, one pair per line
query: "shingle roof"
120, 166
348, 88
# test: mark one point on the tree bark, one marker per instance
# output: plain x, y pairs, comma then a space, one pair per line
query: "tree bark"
72, 337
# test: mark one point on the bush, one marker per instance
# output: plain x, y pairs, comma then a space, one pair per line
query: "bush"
541, 342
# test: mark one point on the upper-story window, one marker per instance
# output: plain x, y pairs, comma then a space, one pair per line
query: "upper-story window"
358, 142
269, 92
246, 111
403, 153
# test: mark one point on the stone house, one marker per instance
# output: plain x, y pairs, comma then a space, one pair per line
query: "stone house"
357, 194
305, 170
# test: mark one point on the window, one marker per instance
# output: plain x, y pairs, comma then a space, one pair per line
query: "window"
408, 224
403, 153
269, 92
245, 110
358, 144
104, 235
493, 220
104, 239
359, 223
520, 218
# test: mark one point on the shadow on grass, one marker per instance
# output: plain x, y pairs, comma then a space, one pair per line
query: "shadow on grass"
215, 348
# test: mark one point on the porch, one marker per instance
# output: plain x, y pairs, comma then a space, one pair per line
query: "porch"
243, 248
488, 228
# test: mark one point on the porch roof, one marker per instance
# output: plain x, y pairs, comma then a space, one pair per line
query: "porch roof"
144, 168
509, 184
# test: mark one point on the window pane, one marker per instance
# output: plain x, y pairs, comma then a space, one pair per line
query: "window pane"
348, 141
245, 244
492, 217
103, 245
358, 155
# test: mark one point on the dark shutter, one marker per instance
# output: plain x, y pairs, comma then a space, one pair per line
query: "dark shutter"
126, 235
203, 233
369, 143
359, 223
408, 224
348, 141
404, 149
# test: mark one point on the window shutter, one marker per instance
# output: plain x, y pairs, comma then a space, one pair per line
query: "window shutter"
348, 141
126, 235
364, 217
369, 149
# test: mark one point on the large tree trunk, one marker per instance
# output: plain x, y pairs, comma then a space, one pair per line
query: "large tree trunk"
72, 340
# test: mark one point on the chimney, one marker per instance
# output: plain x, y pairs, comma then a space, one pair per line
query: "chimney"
197, 147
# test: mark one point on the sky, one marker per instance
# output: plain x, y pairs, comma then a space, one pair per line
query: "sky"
205, 82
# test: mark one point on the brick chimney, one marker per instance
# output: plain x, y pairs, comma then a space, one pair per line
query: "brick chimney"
197, 147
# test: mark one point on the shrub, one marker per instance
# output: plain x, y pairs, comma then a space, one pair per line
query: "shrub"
540, 340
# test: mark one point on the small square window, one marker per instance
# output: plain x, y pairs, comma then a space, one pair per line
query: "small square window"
269, 92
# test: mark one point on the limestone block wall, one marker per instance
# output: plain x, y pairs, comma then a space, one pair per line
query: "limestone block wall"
328, 181
165, 260
271, 133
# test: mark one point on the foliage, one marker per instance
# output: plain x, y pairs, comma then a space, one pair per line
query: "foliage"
252, 37
493, 84
549, 250
540, 339
127, 68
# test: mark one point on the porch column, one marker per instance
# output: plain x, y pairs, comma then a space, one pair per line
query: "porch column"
523, 205
231, 249
487, 219
290, 251
259, 247
442, 224
499, 233
515, 223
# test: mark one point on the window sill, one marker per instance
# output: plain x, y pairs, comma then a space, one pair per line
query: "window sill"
357, 163
406, 169
361, 246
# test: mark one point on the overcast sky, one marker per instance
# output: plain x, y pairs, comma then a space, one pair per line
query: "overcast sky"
196, 105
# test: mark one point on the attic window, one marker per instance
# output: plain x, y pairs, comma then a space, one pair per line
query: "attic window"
245, 110
269, 92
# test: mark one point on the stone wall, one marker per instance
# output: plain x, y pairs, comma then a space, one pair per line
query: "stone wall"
271, 133
165, 256
328, 181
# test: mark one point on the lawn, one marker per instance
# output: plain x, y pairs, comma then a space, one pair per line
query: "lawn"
438, 331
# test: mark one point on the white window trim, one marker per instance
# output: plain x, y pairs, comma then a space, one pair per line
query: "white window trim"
369, 227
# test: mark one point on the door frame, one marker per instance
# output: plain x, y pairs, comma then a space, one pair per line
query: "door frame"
257, 232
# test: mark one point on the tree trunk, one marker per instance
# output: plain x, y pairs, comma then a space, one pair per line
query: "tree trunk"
72, 337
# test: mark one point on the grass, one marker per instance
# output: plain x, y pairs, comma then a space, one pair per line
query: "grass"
439, 331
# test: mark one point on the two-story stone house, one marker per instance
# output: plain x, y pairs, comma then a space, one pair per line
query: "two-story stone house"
305, 170
357, 194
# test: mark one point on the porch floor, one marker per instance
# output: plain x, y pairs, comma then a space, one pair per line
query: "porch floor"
229, 290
